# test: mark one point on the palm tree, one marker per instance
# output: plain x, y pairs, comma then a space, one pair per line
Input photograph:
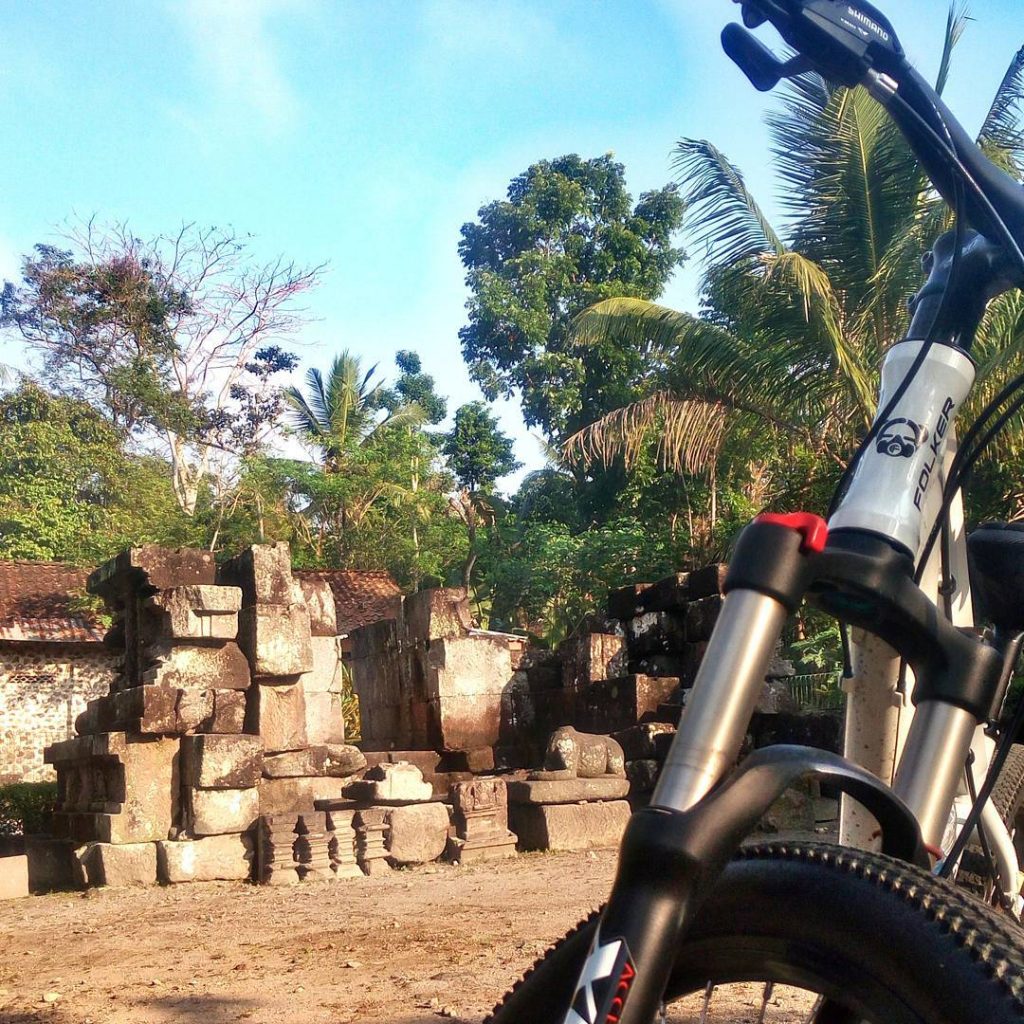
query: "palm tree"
345, 418
796, 318
343, 412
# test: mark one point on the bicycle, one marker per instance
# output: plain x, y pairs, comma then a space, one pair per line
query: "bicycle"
879, 934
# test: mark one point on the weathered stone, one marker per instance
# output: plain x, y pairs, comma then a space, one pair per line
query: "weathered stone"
51, 863
418, 834
276, 837
264, 574
221, 762
470, 851
591, 656
342, 844
146, 709
436, 614
335, 760
275, 639
319, 599
659, 665
776, 697
194, 710
693, 656
390, 784
707, 581
476, 761
195, 613
642, 776
644, 741
667, 595
582, 755
565, 791
228, 711
277, 714
288, 795
480, 812
115, 788
375, 639
227, 857
192, 666
584, 826
624, 603
701, 616
325, 720
216, 812
656, 633
13, 877
615, 704
145, 570
326, 675
371, 836
117, 864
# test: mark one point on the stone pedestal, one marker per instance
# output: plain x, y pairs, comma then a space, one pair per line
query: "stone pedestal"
371, 836
276, 859
341, 843
480, 820
312, 848
570, 827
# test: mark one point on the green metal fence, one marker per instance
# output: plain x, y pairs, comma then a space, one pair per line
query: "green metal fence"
818, 692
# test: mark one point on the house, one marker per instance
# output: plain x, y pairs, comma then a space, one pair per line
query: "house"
52, 661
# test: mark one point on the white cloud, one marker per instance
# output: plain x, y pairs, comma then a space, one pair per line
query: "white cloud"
238, 56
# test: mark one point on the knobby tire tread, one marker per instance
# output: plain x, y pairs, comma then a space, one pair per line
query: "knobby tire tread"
994, 945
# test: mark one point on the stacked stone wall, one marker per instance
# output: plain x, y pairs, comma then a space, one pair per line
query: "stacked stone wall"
43, 689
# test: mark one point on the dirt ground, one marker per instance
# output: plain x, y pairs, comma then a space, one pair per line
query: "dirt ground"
416, 947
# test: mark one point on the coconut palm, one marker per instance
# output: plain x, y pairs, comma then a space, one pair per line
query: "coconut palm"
346, 411
797, 316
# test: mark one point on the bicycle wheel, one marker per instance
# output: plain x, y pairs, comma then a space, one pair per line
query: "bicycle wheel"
1008, 796
880, 939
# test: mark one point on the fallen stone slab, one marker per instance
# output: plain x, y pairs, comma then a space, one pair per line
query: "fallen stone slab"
289, 795
418, 833
211, 667
391, 784
221, 762
470, 851
336, 760
565, 791
226, 857
117, 864
13, 877
276, 639
570, 827
220, 811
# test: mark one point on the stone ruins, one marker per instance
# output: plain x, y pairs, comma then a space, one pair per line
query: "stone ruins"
220, 750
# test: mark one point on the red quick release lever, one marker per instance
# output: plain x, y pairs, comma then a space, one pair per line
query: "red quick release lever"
812, 528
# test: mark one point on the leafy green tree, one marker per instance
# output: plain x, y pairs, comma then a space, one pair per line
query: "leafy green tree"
796, 319
414, 387
478, 451
175, 338
567, 236
68, 489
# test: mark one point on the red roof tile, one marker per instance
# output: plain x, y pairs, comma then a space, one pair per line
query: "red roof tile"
36, 604
360, 597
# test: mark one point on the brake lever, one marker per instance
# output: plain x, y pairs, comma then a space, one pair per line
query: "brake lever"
757, 62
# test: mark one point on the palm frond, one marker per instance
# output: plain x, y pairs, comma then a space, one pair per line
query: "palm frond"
723, 218
687, 435
956, 23
1001, 132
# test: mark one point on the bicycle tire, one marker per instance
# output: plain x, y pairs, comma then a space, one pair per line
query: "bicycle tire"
881, 938
1008, 796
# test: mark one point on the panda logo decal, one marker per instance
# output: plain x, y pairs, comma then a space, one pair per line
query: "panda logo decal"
900, 438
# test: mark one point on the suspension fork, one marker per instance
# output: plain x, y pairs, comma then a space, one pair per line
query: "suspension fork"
732, 672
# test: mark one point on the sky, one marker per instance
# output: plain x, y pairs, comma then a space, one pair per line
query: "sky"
364, 134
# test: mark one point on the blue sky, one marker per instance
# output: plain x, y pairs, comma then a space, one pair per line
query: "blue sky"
364, 134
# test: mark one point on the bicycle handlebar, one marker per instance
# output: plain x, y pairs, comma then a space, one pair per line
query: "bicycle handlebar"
853, 43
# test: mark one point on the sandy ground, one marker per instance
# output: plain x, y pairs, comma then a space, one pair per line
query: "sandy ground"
416, 947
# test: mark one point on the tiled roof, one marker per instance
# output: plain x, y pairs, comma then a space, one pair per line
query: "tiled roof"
36, 604
360, 597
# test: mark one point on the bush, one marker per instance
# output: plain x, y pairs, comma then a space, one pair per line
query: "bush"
25, 806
